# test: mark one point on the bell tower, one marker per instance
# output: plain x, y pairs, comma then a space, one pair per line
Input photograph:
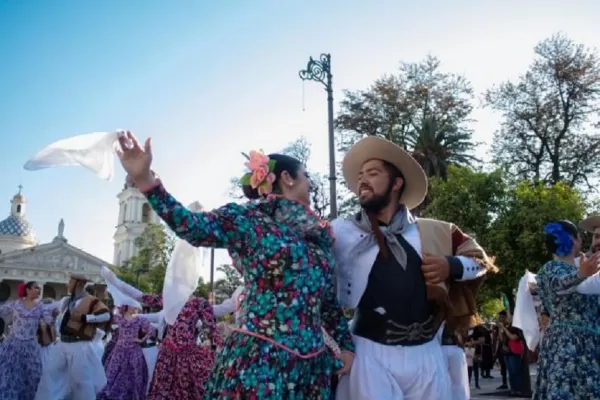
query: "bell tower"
135, 214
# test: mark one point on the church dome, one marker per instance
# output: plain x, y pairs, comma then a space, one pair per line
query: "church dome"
18, 226
15, 231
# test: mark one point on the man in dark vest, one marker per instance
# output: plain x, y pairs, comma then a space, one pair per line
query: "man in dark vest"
404, 276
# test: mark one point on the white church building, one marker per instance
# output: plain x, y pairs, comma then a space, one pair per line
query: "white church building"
23, 258
134, 216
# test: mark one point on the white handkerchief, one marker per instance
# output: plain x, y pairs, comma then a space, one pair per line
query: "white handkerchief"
182, 275
94, 151
120, 299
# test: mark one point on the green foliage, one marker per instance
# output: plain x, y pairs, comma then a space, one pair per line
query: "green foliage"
225, 287
489, 308
549, 129
203, 289
146, 269
420, 108
516, 235
468, 198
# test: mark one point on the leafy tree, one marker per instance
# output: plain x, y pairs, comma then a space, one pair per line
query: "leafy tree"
421, 109
471, 200
516, 236
468, 198
146, 269
203, 289
490, 307
319, 187
548, 132
225, 287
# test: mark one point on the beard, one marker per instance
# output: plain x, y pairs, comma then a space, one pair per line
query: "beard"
377, 202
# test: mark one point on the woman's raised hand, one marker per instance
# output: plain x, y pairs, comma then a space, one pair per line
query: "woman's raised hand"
135, 159
588, 266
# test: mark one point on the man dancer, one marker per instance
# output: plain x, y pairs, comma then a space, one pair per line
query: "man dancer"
592, 225
75, 359
404, 276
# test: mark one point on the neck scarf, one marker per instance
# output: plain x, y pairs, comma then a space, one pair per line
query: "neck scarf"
399, 223
75, 298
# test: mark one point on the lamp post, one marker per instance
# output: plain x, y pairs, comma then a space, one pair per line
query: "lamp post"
320, 71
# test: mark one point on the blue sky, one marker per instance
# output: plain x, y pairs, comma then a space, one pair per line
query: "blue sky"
207, 80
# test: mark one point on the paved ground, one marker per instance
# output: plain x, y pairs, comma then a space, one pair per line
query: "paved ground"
490, 385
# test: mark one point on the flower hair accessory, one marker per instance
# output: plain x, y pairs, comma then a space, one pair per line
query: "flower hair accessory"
22, 290
261, 176
562, 239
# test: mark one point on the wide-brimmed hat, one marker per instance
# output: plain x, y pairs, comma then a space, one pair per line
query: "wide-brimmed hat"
79, 277
376, 148
590, 224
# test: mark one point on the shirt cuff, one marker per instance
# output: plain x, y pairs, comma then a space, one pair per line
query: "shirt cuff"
465, 268
94, 319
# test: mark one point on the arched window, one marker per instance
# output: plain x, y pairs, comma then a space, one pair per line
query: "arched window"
18, 209
146, 213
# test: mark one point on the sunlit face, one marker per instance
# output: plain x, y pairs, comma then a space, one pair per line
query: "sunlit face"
375, 187
596, 240
297, 189
33, 292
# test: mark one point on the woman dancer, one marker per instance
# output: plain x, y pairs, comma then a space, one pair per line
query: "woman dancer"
126, 369
570, 363
283, 250
182, 366
21, 365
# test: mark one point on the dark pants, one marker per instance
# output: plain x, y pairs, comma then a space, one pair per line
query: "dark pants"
513, 365
474, 370
502, 362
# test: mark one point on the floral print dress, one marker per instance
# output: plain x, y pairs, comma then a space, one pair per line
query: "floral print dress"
182, 367
283, 251
569, 364
126, 369
20, 353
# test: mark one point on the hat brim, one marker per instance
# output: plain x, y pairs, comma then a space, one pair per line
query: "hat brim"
79, 277
376, 148
590, 224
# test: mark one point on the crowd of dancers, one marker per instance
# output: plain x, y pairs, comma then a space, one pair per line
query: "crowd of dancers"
411, 282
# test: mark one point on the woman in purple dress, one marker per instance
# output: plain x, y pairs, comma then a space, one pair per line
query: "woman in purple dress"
21, 354
126, 369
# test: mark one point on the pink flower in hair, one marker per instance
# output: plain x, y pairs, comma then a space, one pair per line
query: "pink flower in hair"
261, 176
256, 160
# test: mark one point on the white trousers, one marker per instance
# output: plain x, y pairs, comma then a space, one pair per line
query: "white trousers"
74, 372
459, 375
150, 354
381, 372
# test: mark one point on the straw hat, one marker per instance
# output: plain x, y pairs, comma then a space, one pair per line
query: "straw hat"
79, 277
590, 224
376, 148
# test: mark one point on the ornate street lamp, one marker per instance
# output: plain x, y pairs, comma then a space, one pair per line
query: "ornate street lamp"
320, 71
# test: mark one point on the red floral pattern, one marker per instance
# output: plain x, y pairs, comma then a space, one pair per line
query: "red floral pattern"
183, 366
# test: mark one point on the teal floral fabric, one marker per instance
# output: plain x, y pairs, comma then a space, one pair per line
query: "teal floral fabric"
569, 363
283, 251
